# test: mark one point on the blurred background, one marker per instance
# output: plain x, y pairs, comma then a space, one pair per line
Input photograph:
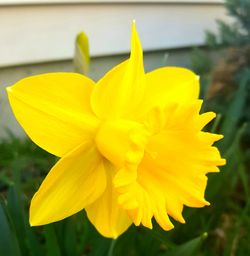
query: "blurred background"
211, 37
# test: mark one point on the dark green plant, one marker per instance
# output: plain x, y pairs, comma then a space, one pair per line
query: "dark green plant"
237, 33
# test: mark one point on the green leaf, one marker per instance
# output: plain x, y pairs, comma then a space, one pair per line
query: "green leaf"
101, 247
27, 240
189, 248
52, 245
82, 56
234, 112
216, 124
70, 241
8, 241
16, 214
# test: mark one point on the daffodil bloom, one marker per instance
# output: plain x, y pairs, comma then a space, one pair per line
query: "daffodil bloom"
130, 146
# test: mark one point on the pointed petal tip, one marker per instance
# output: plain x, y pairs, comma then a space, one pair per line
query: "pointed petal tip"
134, 30
135, 43
181, 220
219, 136
169, 227
137, 224
150, 226
133, 27
34, 223
31, 214
206, 203
212, 114
223, 161
200, 101
8, 89
34, 216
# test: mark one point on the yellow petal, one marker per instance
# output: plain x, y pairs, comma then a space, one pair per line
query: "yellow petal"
54, 110
169, 85
105, 213
119, 92
76, 181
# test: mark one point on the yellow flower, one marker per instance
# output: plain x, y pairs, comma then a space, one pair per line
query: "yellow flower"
131, 145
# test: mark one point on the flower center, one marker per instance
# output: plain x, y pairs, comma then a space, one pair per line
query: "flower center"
122, 142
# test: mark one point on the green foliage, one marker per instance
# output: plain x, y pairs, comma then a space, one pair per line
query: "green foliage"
235, 109
236, 34
189, 248
8, 240
241, 10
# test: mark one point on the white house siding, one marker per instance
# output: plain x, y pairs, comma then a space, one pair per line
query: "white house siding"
38, 33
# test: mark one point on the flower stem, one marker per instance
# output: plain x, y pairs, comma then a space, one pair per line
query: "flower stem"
111, 248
